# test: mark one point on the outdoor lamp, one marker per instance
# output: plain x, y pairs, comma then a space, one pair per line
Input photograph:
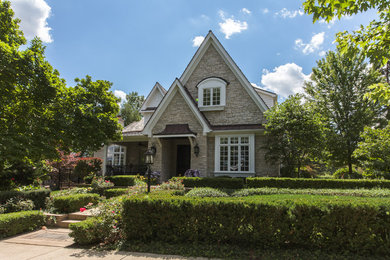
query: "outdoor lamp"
196, 150
149, 159
153, 149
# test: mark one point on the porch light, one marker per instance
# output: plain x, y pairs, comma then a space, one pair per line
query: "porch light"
196, 150
153, 149
149, 160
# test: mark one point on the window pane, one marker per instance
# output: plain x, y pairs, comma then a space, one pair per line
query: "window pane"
234, 158
234, 140
224, 140
244, 158
116, 159
244, 140
206, 97
223, 160
116, 148
216, 96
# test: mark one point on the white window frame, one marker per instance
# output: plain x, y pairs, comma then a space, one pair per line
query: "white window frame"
121, 153
212, 83
217, 159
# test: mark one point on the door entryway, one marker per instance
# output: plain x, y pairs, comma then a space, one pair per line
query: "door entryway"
183, 159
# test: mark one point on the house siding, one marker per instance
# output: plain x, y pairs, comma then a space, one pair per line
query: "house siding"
240, 107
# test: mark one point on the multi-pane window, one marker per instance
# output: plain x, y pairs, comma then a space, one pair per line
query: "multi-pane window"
116, 155
234, 153
211, 96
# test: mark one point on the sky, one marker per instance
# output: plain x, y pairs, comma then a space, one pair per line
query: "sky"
134, 44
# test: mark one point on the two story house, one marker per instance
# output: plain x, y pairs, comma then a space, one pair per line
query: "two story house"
210, 119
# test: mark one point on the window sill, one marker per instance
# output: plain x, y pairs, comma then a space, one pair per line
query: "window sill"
235, 174
211, 108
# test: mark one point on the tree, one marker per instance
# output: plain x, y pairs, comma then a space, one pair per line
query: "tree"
130, 109
38, 113
337, 90
294, 134
372, 39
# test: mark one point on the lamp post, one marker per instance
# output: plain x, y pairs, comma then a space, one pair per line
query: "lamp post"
149, 159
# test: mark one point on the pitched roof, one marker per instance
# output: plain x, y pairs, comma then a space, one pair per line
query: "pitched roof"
135, 128
176, 129
211, 39
157, 88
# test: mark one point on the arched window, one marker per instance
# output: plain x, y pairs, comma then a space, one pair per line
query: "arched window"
116, 155
212, 94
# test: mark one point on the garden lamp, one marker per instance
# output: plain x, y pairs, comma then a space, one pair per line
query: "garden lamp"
149, 160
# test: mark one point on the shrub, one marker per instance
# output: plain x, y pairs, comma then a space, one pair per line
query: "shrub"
206, 192
72, 203
115, 192
343, 173
19, 222
172, 184
87, 232
88, 179
17, 204
360, 226
99, 185
218, 183
123, 180
299, 183
37, 196
192, 173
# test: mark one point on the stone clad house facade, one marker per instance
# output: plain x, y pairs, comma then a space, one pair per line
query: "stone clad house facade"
210, 119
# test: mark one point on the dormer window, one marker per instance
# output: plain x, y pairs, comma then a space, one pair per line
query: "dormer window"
212, 94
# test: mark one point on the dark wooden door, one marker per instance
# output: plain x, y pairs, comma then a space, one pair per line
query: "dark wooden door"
183, 159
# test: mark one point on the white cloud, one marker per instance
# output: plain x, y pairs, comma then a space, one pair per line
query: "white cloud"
33, 15
120, 94
265, 11
229, 26
284, 80
285, 13
197, 41
322, 53
315, 43
246, 11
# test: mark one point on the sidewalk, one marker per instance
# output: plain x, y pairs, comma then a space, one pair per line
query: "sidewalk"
55, 244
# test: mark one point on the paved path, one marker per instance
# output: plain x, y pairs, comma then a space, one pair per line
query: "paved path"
57, 245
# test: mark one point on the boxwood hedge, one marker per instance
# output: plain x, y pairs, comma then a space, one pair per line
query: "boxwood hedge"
212, 182
360, 226
73, 203
109, 193
302, 183
19, 222
123, 180
37, 196
87, 232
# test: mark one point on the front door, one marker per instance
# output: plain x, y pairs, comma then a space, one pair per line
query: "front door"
183, 159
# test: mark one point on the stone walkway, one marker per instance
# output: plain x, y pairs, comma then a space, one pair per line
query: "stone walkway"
57, 245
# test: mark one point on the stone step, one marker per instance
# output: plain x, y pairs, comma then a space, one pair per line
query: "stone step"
66, 223
78, 216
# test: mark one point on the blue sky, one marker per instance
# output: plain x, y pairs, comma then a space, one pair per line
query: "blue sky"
136, 43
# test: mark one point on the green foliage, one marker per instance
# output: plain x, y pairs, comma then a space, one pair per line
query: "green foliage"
337, 91
73, 203
206, 192
123, 180
37, 196
19, 222
293, 183
16, 204
130, 108
218, 183
343, 173
173, 184
87, 166
109, 193
334, 224
98, 185
294, 133
88, 232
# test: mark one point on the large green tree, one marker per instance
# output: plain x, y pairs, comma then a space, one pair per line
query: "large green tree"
130, 108
337, 90
294, 134
38, 113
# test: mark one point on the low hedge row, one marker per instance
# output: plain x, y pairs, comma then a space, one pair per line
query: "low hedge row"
37, 196
19, 222
336, 225
218, 182
109, 193
122, 180
87, 232
73, 203
302, 183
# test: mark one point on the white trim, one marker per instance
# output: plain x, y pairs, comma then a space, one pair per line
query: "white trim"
212, 108
212, 83
211, 39
235, 132
156, 87
175, 88
217, 157
105, 147
174, 136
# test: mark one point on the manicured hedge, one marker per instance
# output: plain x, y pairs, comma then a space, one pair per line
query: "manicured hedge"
123, 180
87, 232
19, 222
109, 193
37, 196
218, 182
361, 226
301, 183
73, 203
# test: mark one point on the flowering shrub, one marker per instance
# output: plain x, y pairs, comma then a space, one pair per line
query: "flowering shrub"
192, 173
172, 184
154, 177
99, 185
16, 204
